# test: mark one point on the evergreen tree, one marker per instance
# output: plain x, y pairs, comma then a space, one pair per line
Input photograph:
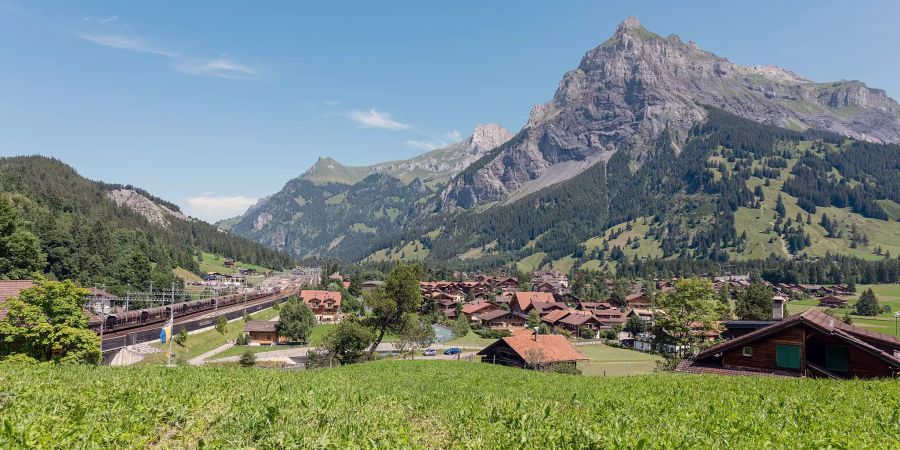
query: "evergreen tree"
867, 305
20, 251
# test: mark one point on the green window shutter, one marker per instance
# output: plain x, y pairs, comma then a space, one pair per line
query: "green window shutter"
787, 356
836, 358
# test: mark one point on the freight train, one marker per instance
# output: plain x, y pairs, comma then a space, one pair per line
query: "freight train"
139, 317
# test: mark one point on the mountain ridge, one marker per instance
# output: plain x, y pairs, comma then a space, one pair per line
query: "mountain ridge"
645, 127
432, 167
629, 89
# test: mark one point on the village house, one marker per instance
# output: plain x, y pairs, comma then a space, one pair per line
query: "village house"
371, 285
522, 301
811, 344
595, 306
645, 314
544, 308
446, 306
552, 318
325, 305
531, 350
833, 301
502, 320
470, 310
637, 301
610, 316
577, 322
550, 281
262, 332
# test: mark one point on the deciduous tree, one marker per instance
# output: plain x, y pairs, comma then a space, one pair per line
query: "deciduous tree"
754, 302
399, 295
46, 323
296, 320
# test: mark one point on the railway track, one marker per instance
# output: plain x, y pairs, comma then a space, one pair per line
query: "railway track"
116, 340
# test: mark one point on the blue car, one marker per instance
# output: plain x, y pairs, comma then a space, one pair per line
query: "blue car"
452, 351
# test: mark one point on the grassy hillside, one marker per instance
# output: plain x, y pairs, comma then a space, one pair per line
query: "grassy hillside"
887, 294
415, 404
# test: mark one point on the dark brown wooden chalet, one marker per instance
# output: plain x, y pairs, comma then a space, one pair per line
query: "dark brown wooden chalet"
531, 350
637, 301
478, 307
833, 301
577, 322
811, 343
500, 319
264, 332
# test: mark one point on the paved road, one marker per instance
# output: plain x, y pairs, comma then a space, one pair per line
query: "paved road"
288, 354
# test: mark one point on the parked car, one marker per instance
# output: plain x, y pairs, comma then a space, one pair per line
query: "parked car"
452, 351
429, 352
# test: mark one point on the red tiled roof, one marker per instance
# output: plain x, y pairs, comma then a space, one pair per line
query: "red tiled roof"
552, 348
554, 316
579, 319
474, 307
310, 295
11, 288
524, 299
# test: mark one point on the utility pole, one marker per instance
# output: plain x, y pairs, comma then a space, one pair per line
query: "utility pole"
172, 319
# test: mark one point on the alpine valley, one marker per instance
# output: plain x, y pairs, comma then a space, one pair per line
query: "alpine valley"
652, 149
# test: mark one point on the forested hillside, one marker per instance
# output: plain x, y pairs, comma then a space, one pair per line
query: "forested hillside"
85, 236
334, 219
736, 190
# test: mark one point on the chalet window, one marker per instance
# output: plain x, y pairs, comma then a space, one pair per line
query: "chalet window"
787, 356
836, 358
748, 352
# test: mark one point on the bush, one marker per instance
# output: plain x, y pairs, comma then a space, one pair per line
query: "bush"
566, 368
492, 334
586, 333
242, 339
182, 337
248, 359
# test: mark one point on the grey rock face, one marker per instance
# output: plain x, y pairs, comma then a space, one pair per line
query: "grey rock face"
637, 84
155, 213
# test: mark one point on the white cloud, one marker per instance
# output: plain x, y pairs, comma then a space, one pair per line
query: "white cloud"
375, 119
426, 145
454, 135
126, 43
215, 207
331, 102
102, 20
222, 67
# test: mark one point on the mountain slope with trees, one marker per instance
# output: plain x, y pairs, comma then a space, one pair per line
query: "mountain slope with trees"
85, 236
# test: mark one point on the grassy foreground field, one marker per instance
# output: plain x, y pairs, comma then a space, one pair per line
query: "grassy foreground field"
404, 404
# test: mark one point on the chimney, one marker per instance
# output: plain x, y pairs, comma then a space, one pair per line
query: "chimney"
778, 307
536, 333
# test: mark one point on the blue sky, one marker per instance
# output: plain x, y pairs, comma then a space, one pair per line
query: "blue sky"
212, 104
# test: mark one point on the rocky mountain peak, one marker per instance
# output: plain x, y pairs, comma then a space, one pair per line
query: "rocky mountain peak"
490, 136
637, 84
629, 24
